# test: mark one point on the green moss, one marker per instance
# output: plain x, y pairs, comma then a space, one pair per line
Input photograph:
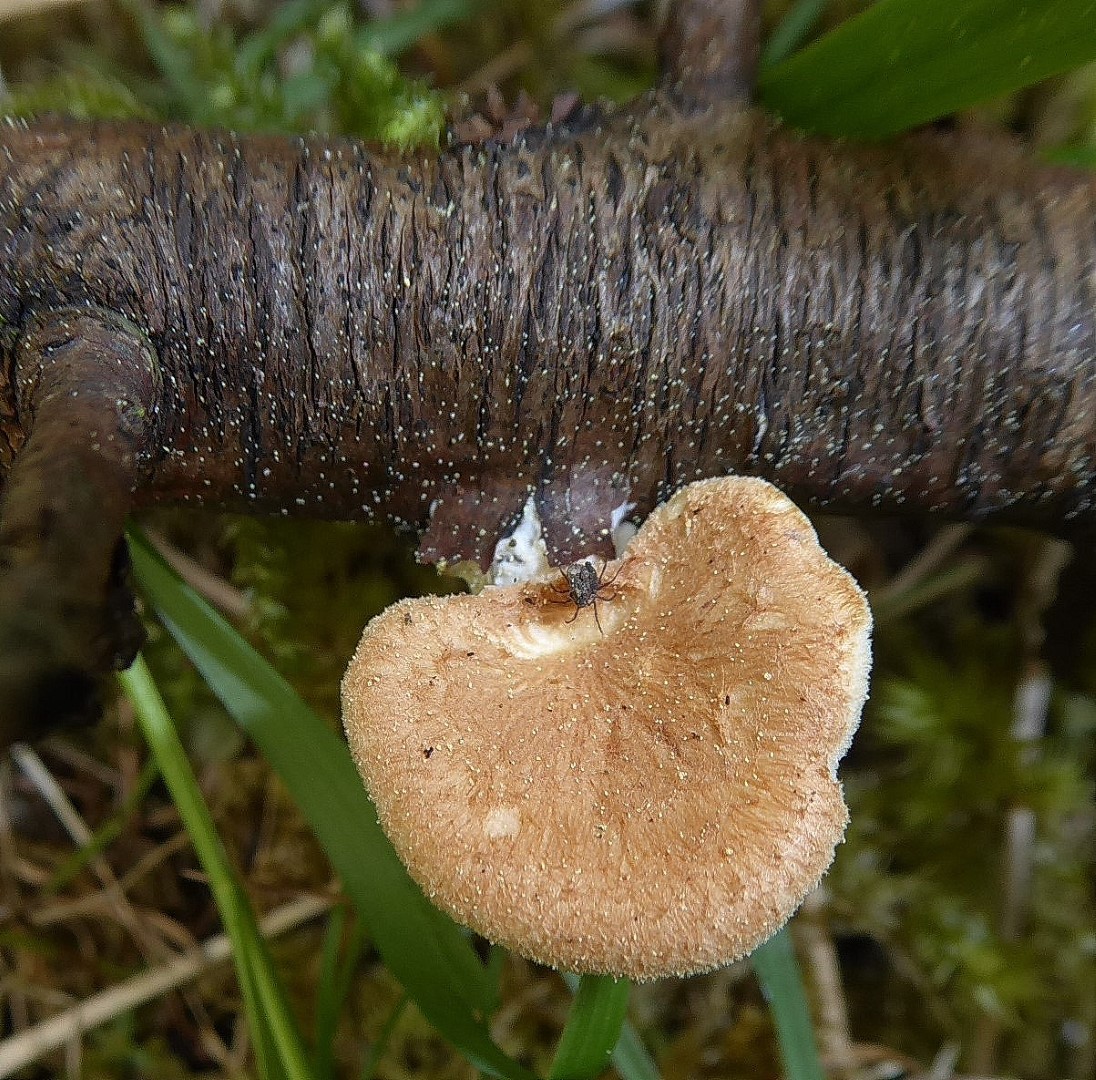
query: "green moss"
312, 67
309, 69
85, 94
315, 585
931, 785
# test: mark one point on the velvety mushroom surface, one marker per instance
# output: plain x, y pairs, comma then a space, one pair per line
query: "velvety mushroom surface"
650, 798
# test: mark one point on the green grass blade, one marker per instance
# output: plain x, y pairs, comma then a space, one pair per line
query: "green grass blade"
593, 1028
107, 833
173, 62
328, 998
261, 46
496, 961
337, 978
631, 1059
424, 950
1083, 157
398, 32
376, 1051
286, 1052
168, 752
905, 62
276, 1036
778, 973
793, 30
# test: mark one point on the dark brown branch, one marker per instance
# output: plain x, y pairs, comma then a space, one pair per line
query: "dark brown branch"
592, 315
86, 384
709, 50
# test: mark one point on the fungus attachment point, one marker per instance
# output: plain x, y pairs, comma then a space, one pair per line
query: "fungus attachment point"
650, 796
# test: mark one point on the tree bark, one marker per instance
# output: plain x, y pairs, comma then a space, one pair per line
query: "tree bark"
88, 386
709, 50
591, 314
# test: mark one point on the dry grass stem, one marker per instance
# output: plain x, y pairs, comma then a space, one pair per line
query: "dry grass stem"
11, 9
69, 1026
144, 926
155, 858
1030, 711
81, 761
933, 555
230, 600
832, 1017
498, 69
112, 896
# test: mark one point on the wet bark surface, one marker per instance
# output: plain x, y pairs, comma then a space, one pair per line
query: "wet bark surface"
88, 389
594, 313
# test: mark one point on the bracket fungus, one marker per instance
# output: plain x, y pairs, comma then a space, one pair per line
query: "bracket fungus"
650, 796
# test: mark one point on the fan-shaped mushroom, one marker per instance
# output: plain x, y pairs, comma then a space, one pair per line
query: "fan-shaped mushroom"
653, 795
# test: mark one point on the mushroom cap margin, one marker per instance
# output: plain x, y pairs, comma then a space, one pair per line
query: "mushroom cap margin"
655, 800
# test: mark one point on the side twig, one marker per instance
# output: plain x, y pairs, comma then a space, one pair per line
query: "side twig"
709, 49
87, 389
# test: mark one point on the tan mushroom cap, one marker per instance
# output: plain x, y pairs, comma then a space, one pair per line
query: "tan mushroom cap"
652, 800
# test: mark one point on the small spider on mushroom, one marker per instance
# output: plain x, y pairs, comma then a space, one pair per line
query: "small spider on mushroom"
583, 585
